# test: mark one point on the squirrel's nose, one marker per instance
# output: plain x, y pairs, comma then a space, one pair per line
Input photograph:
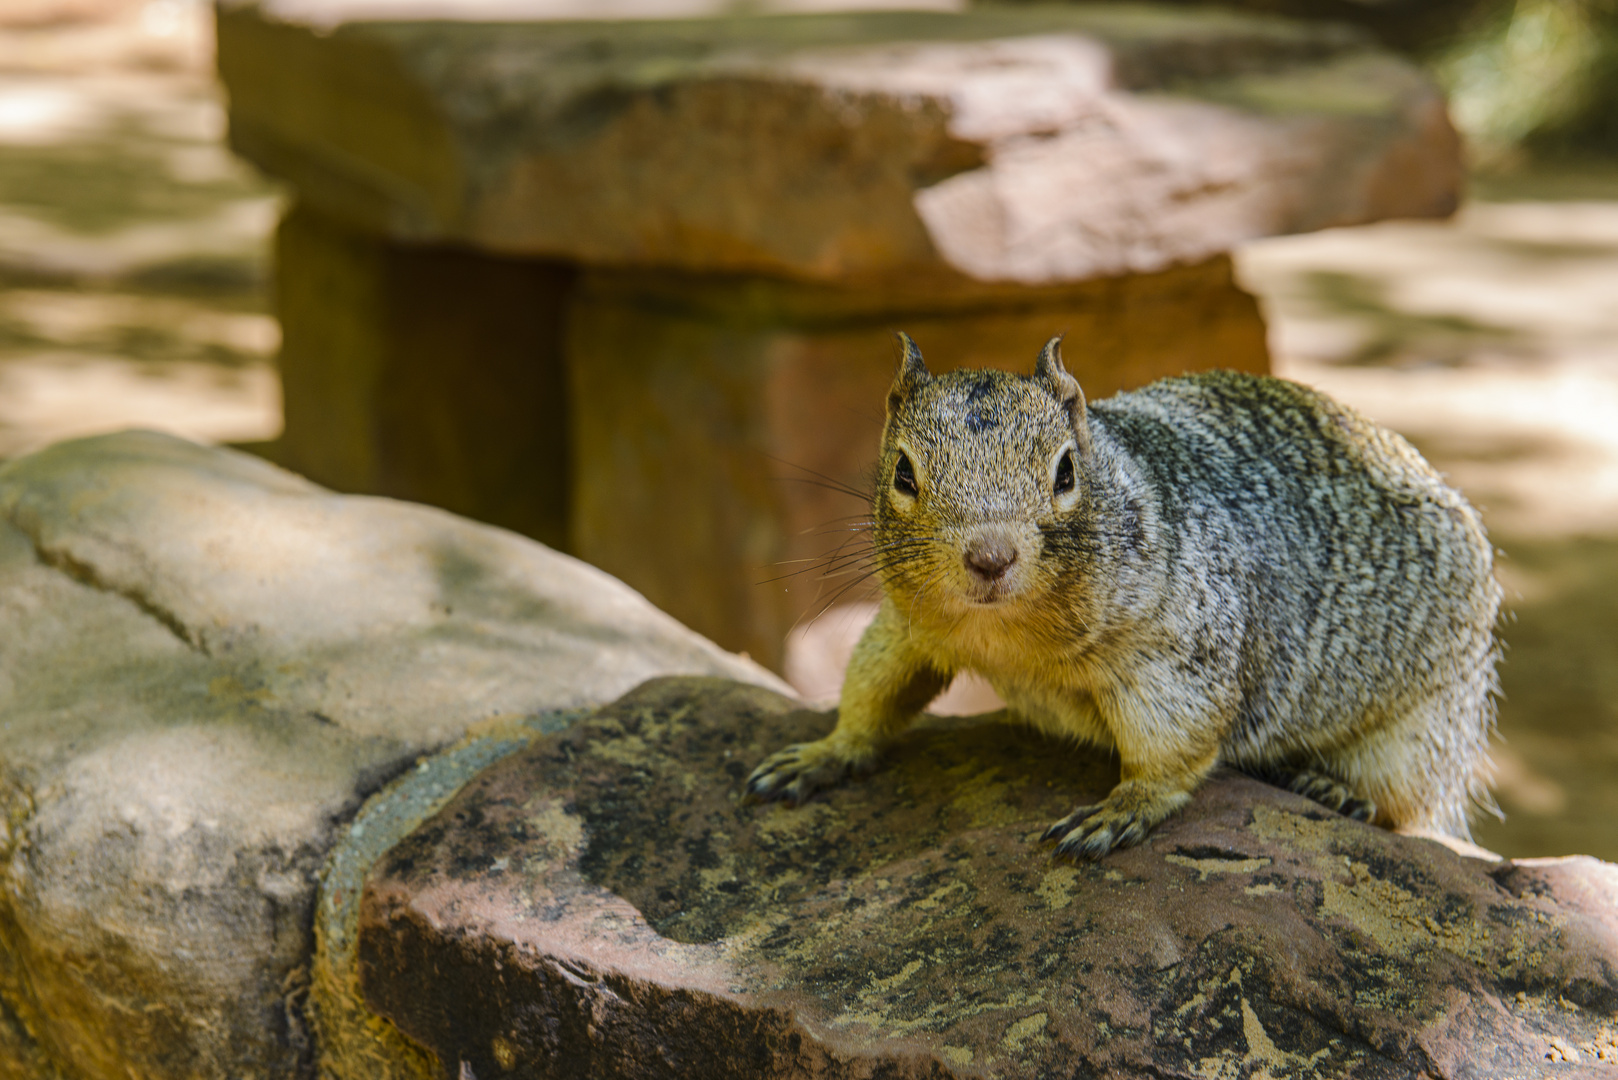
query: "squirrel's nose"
989, 559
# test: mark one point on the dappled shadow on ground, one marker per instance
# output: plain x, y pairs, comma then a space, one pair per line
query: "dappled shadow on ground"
132, 244
1492, 343
1558, 749
1388, 333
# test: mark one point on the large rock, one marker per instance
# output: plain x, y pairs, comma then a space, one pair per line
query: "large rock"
208, 663
603, 904
1033, 147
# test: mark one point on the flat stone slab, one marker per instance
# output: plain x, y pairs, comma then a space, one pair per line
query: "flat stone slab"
603, 904
206, 665
1033, 147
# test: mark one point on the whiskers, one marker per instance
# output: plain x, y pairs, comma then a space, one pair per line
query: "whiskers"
859, 559
821, 480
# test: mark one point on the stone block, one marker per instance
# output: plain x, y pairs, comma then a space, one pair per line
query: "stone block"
427, 373
209, 663
604, 904
1018, 145
611, 283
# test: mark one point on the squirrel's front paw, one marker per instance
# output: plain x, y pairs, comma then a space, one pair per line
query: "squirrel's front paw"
800, 770
1120, 820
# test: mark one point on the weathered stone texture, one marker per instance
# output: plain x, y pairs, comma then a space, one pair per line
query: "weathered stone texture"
603, 904
208, 663
1030, 146
355, 1043
433, 374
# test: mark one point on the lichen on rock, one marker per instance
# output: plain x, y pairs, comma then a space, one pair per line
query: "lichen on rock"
910, 924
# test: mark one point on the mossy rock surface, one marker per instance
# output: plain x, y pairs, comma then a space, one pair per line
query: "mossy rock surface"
605, 904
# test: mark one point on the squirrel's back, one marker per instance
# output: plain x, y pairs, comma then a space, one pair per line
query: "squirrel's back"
1363, 581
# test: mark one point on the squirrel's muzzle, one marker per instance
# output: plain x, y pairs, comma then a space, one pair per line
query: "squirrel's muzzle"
988, 558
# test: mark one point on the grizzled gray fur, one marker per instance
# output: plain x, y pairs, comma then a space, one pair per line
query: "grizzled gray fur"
1214, 568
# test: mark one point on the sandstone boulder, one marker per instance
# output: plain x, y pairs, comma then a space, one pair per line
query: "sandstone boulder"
206, 665
603, 904
993, 145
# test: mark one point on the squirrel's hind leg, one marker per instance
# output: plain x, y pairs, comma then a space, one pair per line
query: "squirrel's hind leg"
1326, 790
1427, 765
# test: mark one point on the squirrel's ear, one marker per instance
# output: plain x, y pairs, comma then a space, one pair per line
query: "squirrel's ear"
1049, 372
912, 372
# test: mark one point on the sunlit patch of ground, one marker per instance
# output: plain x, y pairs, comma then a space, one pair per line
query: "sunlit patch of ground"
51, 397
132, 244
1492, 343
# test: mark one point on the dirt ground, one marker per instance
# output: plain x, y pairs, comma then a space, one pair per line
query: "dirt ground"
133, 293
1491, 341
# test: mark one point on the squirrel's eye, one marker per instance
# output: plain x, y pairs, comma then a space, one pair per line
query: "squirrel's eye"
904, 476
1064, 474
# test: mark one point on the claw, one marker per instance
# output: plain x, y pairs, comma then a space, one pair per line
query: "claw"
1123, 819
1086, 844
766, 781
1331, 794
1133, 832
1069, 823
1359, 809
794, 774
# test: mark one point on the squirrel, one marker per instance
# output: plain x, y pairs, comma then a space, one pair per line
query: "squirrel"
1214, 568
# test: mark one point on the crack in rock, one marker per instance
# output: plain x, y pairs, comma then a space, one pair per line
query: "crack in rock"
85, 574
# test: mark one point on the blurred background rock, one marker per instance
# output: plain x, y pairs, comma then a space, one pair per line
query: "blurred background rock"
133, 247
1530, 81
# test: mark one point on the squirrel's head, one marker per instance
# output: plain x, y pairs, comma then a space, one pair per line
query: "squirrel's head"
977, 468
